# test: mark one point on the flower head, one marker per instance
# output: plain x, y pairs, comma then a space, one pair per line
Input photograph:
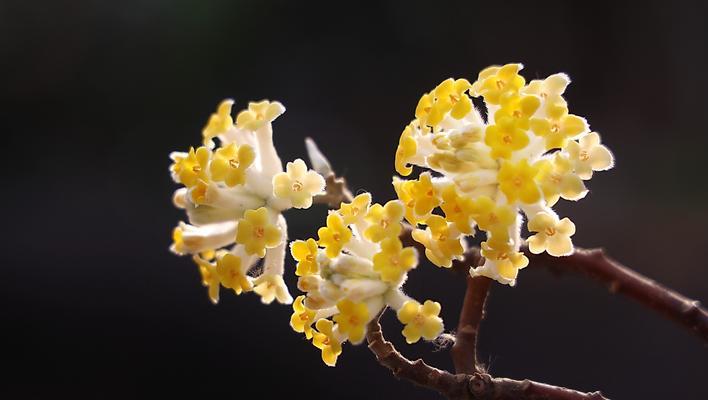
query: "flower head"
305, 252
257, 232
326, 340
298, 184
302, 319
553, 235
420, 320
384, 221
528, 152
335, 235
230, 164
259, 114
230, 272
393, 261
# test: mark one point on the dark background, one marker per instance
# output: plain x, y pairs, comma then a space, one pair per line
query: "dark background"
94, 95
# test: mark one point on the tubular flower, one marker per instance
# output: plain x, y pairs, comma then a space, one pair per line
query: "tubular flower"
231, 203
302, 319
420, 320
524, 154
553, 236
298, 184
354, 212
353, 284
305, 252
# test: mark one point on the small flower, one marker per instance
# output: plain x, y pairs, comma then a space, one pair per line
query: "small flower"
393, 261
302, 318
230, 164
458, 209
352, 319
551, 87
448, 97
231, 276
420, 320
442, 244
385, 221
334, 236
325, 340
505, 137
298, 184
492, 217
192, 167
259, 114
404, 191
407, 148
589, 155
271, 287
256, 232
508, 262
355, 211
210, 278
305, 252
425, 195
559, 126
516, 181
219, 122
553, 235
497, 84
557, 179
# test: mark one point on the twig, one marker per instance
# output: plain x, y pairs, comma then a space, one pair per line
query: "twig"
464, 351
619, 279
478, 386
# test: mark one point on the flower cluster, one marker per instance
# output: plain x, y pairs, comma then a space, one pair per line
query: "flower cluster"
355, 269
527, 153
234, 195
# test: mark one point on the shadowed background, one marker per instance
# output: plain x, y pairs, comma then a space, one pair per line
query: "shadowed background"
94, 95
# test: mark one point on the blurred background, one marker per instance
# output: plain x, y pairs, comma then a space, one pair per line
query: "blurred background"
95, 94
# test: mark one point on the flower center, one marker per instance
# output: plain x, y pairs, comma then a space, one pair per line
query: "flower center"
555, 178
584, 156
384, 223
507, 139
555, 128
516, 114
454, 99
550, 231
442, 237
297, 186
309, 258
500, 84
260, 117
233, 163
335, 237
517, 181
303, 317
196, 169
259, 232
394, 261
419, 319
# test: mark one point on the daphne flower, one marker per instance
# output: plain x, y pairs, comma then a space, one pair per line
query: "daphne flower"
355, 278
420, 320
326, 340
305, 252
229, 200
230, 272
525, 154
259, 114
553, 235
256, 232
589, 155
298, 185
302, 319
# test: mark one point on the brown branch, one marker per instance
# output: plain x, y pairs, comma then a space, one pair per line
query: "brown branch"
478, 386
464, 351
619, 279
336, 192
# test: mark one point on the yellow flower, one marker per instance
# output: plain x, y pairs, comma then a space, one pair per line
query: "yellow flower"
352, 319
448, 96
404, 192
424, 195
420, 320
228, 268
507, 261
492, 217
458, 209
219, 122
549, 88
442, 245
394, 261
385, 221
589, 155
271, 287
325, 340
256, 232
192, 168
518, 108
497, 84
334, 236
230, 164
298, 184
557, 179
559, 126
259, 114
505, 137
305, 252
407, 148
553, 235
516, 181
177, 241
210, 279
302, 318
356, 210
